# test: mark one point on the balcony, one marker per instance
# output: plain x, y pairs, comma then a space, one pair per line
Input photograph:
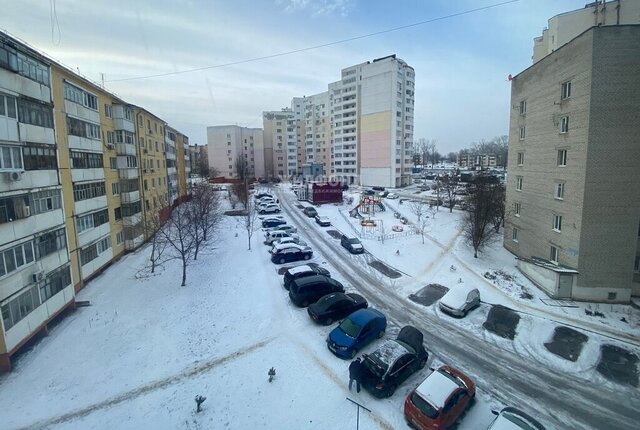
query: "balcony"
93, 234
171, 170
95, 264
85, 144
126, 149
20, 85
128, 173
23, 227
80, 111
132, 220
130, 197
90, 205
36, 134
29, 179
79, 175
9, 129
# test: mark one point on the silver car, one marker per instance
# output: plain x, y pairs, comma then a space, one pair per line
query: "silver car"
460, 300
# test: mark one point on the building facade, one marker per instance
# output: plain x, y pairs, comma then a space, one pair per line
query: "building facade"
573, 200
283, 139
70, 186
565, 27
476, 161
227, 144
372, 111
315, 127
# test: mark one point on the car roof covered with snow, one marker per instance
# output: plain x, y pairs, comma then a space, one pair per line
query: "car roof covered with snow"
457, 296
437, 388
300, 269
514, 419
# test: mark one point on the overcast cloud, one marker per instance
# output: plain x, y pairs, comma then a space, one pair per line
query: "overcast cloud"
462, 63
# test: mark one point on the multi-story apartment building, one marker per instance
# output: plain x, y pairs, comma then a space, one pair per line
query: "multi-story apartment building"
229, 143
35, 274
70, 186
565, 27
315, 127
198, 158
283, 140
372, 110
573, 194
183, 159
476, 161
170, 144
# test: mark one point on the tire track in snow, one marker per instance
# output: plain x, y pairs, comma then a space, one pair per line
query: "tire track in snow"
147, 388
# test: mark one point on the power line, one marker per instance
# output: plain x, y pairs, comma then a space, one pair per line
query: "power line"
309, 48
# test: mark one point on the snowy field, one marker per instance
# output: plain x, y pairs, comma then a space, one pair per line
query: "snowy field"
142, 351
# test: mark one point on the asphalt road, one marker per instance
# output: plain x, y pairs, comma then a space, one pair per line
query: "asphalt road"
561, 400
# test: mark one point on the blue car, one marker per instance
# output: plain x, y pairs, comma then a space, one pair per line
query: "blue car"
356, 331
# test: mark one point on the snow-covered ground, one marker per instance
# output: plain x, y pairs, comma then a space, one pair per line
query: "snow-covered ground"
142, 351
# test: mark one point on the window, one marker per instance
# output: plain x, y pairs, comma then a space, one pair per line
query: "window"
519, 183
560, 190
520, 158
130, 209
115, 189
10, 158
108, 111
523, 107
19, 307
516, 208
522, 132
50, 242
557, 222
110, 137
80, 96
88, 190
39, 157
119, 238
8, 106
45, 201
86, 160
554, 254
124, 137
562, 157
565, 91
564, 124
514, 235
24, 65
30, 112
14, 208
76, 127
55, 282
14, 258
117, 213
113, 163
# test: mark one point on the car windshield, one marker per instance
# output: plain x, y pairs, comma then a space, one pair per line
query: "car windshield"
354, 241
518, 421
424, 406
350, 328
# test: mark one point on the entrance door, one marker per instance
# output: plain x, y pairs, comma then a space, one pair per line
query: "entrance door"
565, 284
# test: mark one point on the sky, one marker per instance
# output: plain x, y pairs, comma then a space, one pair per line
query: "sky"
461, 62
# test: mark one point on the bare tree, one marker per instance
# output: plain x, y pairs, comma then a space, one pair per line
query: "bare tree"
204, 210
499, 206
452, 157
450, 189
420, 209
250, 221
437, 187
177, 232
481, 211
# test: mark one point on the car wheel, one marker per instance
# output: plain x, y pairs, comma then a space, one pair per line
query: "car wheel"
282, 261
353, 353
305, 304
328, 321
391, 390
307, 256
380, 334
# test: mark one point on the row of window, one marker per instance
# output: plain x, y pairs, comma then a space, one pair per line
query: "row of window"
86, 160
92, 251
92, 220
34, 113
565, 93
23, 304
88, 190
76, 127
28, 158
24, 205
80, 96
8, 106
22, 64
22, 255
564, 128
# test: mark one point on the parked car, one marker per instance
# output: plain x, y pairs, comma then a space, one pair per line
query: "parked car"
310, 211
377, 188
369, 192
393, 362
460, 300
270, 208
277, 247
290, 253
356, 331
258, 196
291, 239
392, 196
333, 307
273, 222
439, 400
309, 289
424, 187
323, 221
308, 269
283, 227
268, 199
351, 243
513, 419
272, 236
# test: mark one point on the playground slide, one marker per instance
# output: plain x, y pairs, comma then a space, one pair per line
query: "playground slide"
354, 212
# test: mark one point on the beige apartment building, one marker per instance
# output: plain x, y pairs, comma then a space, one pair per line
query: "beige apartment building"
315, 147
573, 189
283, 137
228, 143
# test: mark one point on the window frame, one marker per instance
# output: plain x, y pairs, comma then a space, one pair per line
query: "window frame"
562, 158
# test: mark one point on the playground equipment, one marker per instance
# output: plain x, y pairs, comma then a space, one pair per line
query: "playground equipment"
368, 204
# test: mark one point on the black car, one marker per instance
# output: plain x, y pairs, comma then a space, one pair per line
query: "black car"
369, 192
307, 290
273, 222
393, 362
310, 211
293, 253
333, 307
309, 269
351, 243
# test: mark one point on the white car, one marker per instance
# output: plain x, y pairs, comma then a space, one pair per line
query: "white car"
280, 246
460, 300
514, 419
272, 236
270, 208
283, 227
294, 238
392, 196
323, 221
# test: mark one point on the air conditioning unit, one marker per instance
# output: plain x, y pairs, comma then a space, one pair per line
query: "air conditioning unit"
15, 176
38, 276
110, 145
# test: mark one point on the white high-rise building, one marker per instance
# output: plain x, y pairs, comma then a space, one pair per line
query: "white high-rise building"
280, 143
316, 143
227, 143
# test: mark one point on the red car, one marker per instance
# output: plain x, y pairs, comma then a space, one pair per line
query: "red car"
439, 400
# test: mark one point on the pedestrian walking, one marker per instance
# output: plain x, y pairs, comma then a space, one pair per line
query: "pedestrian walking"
355, 373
